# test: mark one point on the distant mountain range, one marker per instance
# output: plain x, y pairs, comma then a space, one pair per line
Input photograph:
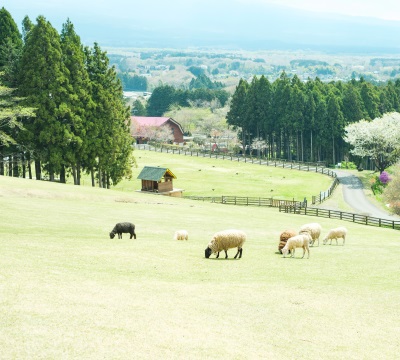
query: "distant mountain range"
222, 24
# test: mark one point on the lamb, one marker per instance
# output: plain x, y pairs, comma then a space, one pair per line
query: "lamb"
283, 238
297, 241
124, 227
337, 233
314, 229
224, 240
181, 235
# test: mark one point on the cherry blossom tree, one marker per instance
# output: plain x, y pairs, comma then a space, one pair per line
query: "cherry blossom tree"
378, 139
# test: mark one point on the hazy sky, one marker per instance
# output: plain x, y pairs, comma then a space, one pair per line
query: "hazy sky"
222, 22
383, 9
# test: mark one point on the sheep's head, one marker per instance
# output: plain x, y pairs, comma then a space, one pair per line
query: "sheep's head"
325, 240
208, 252
112, 235
285, 251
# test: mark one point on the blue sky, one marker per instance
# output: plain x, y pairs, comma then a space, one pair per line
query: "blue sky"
235, 23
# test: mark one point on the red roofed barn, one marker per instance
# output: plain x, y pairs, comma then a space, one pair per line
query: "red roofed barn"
141, 126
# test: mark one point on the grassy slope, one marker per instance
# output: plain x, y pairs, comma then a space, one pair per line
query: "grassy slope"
216, 177
68, 291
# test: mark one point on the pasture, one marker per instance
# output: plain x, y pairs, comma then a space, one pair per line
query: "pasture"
215, 177
68, 291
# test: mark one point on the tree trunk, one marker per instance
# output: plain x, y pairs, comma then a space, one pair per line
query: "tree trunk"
1, 165
100, 177
311, 149
10, 166
23, 165
78, 173
74, 173
92, 176
38, 170
15, 166
63, 179
333, 150
29, 166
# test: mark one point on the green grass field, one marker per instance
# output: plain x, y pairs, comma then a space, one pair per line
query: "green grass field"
216, 177
69, 292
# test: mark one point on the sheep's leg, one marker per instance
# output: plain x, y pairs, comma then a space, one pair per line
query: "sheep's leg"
226, 254
119, 235
217, 255
292, 255
239, 252
344, 239
304, 251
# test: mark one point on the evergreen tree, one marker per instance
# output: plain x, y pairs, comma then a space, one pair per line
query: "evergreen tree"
110, 150
10, 48
237, 116
79, 104
44, 82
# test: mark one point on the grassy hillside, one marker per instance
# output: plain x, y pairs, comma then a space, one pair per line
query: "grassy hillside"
68, 291
216, 177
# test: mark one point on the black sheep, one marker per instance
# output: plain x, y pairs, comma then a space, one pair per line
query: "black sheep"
124, 227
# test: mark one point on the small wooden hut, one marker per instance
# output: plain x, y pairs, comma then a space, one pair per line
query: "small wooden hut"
158, 179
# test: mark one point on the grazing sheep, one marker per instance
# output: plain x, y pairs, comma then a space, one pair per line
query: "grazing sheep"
337, 233
314, 229
283, 238
297, 241
124, 227
224, 240
181, 235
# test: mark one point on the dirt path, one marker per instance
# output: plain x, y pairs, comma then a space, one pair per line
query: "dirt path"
354, 196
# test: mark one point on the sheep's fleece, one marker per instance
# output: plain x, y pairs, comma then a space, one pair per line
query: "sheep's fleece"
314, 229
224, 240
298, 241
181, 235
336, 233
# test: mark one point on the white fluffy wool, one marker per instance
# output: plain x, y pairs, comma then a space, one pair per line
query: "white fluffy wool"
298, 241
336, 233
314, 229
227, 239
181, 235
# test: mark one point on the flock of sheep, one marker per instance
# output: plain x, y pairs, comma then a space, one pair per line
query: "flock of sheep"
308, 235
289, 240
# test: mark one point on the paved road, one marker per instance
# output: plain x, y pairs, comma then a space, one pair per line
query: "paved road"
354, 195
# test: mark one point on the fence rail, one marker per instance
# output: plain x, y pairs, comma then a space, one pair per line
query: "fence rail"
298, 207
334, 214
247, 201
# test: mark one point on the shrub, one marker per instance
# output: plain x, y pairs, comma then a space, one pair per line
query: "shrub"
391, 193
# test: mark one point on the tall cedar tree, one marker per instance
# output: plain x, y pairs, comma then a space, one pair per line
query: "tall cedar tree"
10, 48
44, 82
110, 149
237, 116
80, 103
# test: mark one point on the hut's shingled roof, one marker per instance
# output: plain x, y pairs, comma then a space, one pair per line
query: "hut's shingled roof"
154, 173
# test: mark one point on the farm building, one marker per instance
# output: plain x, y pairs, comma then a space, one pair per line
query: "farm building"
159, 180
144, 127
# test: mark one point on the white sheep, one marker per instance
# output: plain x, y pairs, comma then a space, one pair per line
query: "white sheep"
314, 229
297, 241
224, 240
337, 233
181, 235
283, 238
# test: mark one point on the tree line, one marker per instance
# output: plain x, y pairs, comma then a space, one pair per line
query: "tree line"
306, 121
80, 121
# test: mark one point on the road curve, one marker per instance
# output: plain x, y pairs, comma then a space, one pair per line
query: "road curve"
354, 196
